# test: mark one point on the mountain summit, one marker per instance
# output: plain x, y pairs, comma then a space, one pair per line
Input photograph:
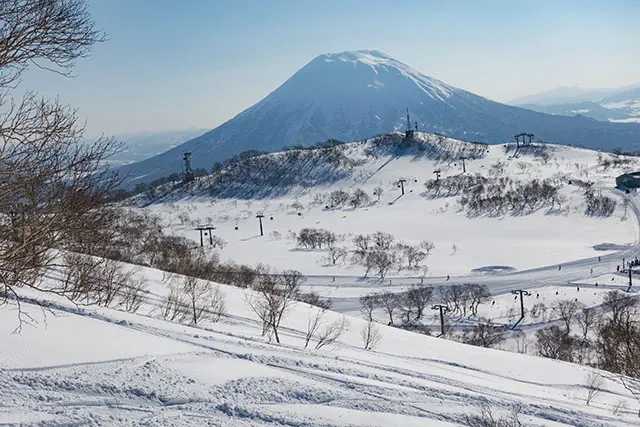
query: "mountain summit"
354, 95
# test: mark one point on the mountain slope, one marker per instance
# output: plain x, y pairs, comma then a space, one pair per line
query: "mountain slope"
355, 95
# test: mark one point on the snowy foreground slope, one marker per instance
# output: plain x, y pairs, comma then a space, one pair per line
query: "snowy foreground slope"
95, 366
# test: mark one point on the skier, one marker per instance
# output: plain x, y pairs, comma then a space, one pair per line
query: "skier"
447, 277
591, 271
618, 268
559, 267
578, 288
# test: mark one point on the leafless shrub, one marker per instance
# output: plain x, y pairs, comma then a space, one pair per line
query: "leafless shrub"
487, 418
595, 384
555, 343
484, 334
316, 238
598, 205
338, 198
619, 407
174, 306
133, 295
371, 335
330, 333
359, 198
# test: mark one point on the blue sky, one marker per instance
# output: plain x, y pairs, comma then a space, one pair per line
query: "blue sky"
172, 64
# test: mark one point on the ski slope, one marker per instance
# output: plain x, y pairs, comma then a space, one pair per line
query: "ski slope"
505, 252
97, 366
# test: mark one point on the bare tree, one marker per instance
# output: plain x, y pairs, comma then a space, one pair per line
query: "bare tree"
390, 303
371, 335
416, 300
478, 294
566, 310
539, 310
555, 343
586, 319
48, 34
273, 296
484, 334
330, 333
427, 246
368, 303
174, 307
203, 300
595, 384
314, 319
52, 183
336, 253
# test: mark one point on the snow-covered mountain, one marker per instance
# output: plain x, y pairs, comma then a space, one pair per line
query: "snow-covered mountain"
621, 105
355, 95
562, 95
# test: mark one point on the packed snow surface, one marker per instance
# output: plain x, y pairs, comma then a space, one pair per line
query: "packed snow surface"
103, 367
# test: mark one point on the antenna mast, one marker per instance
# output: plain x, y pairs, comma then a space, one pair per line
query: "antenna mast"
408, 121
187, 171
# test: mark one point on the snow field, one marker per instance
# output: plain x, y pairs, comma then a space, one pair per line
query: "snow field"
120, 368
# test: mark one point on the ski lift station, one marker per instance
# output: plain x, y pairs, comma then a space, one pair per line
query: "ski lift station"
628, 180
